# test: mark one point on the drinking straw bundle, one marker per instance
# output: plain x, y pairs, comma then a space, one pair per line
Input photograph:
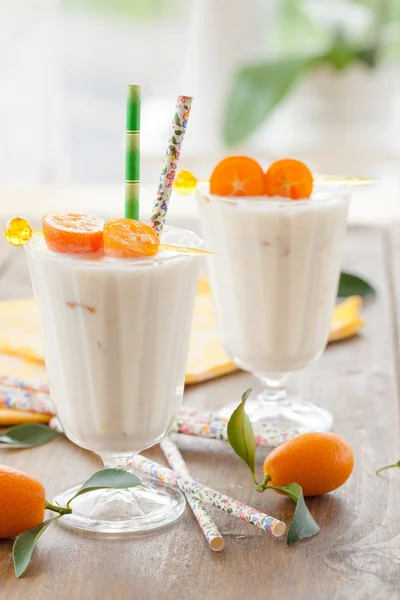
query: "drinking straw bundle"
189, 486
170, 163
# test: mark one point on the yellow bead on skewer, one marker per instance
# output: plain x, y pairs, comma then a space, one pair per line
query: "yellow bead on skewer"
185, 182
17, 231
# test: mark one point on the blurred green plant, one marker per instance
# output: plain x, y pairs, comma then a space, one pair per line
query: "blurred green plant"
134, 9
258, 88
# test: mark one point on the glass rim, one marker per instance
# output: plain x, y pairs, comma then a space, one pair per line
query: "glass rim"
92, 259
330, 192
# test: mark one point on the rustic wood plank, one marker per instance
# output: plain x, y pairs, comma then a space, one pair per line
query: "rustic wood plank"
355, 556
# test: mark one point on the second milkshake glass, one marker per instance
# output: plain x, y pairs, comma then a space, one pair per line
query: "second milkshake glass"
274, 280
116, 338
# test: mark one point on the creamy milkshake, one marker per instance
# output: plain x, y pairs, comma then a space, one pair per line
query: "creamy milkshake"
116, 335
274, 277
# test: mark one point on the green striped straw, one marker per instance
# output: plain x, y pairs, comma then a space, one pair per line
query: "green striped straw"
132, 153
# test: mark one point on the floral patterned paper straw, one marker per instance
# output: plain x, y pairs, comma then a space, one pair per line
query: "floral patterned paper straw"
215, 427
25, 395
26, 384
170, 164
208, 527
189, 486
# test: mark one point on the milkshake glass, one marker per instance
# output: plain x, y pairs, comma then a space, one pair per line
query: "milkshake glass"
274, 280
116, 338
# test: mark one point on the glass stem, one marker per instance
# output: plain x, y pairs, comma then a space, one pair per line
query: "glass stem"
117, 461
274, 389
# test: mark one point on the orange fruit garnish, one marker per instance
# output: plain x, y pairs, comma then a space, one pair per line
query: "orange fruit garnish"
237, 176
74, 233
289, 178
319, 462
22, 502
127, 238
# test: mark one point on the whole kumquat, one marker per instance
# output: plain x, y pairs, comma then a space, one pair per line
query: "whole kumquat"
22, 502
318, 462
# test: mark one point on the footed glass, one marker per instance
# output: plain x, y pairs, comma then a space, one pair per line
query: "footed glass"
274, 280
116, 338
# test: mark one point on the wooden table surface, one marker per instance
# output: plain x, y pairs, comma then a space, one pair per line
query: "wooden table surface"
355, 556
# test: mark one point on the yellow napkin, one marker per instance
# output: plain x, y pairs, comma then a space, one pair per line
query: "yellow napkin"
346, 320
21, 350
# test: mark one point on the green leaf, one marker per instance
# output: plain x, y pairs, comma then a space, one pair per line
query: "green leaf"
256, 91
302, 525
342, 52
28, 435
24, 546
105, 479
351, 285
368, 55
240, 434
174, 139
178, 132
176, 120
293, 490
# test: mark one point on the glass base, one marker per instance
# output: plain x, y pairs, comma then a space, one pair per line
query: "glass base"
305, 417
143, 508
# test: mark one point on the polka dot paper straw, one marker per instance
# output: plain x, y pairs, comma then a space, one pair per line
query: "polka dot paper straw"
208, 527
189, 486
170, 164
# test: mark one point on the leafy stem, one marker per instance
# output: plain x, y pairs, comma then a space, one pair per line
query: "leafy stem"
58, 509
241, 438
389, 467
260, 487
